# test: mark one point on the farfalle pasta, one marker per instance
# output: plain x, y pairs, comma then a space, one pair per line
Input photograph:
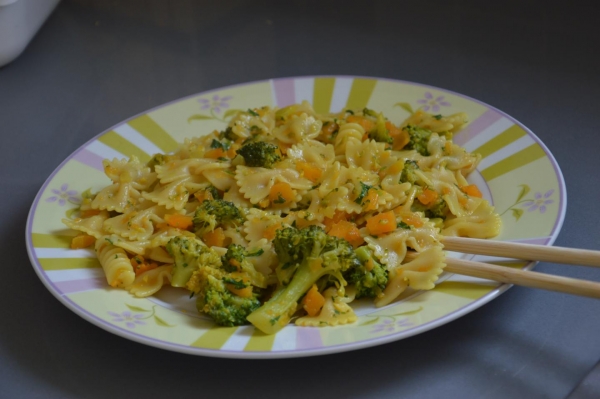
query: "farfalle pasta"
287, 215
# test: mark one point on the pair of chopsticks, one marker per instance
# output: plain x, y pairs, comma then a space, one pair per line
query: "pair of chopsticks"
525, 252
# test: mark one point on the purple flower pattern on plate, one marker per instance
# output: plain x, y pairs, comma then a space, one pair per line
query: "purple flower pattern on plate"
540, 202
433, 104
63, 195
216, 103
130, 319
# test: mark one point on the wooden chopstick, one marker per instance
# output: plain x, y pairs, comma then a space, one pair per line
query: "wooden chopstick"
515, 250
520, 277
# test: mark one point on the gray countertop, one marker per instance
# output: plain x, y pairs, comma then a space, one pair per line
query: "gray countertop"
95, 63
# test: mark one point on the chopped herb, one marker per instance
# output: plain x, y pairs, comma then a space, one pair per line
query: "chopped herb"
109, 241
403, 225
364, 189
253, 113
237, 284
280, 199
274, 320
350, 111
222, 145
438, 116
257, 253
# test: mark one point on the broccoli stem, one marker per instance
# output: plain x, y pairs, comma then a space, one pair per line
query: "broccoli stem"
277, 312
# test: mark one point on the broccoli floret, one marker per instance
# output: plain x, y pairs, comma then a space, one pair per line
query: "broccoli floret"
408, 173
312, 254
370, 277
217, 212
235, 260
217, 295
158, 159
419, 139
380, 133
189, 254
260, 153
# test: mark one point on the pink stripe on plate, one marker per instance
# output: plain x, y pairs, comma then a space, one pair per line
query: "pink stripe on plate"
284, 92
487, 119
89, 158
88, 284
308, 338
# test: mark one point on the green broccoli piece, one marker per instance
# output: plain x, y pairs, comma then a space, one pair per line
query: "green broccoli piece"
437, 210
408, 173
235, 260
260, 153
370, 277
214, 289
312, 254
380, 133
217, 212
189, 255
419, 139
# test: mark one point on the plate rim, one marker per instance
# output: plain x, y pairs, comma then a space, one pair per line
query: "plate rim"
295, 353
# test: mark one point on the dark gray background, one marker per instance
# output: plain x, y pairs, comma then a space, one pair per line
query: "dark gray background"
95, 63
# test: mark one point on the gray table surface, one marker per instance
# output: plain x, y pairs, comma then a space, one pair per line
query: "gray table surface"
95, 63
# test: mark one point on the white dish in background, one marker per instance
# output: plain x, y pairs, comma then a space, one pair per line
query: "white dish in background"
19, 22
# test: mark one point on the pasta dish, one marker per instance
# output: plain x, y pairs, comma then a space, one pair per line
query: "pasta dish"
288, 215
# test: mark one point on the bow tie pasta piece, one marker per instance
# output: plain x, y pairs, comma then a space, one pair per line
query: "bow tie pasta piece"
92, 225
335, 311
368, 155
129, 178
257, 185
136, 224
419, 274
482, 223
437, 123
298, 128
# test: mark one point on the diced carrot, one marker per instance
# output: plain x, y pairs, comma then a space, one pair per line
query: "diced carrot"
348, 231
382, 223
309, 171
399, 136
337, 216
395, 168
214, 238
472, 190
245, 292
140, 265
313, 301
215, 153
203, 195
269, 232
371, 201
235, 263
89, 213
82, 241
427, 196
367, 124
446, 190
411, 219
179, 221
281, 193
232, 151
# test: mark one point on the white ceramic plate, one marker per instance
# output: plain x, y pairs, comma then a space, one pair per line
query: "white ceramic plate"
517, 173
